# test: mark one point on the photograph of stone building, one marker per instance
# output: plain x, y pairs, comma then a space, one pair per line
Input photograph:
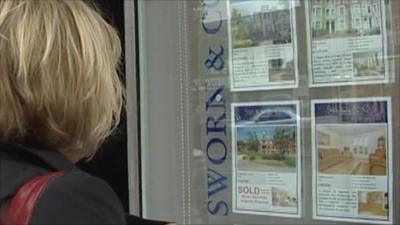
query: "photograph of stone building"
345, 18
257, 23
284, 148
266, 148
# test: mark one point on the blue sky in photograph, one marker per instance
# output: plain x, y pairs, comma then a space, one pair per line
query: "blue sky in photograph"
267, 132
254, 6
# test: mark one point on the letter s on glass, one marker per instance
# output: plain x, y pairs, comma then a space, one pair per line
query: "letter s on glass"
214, 210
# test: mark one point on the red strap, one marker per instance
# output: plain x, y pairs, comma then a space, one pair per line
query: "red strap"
19, 211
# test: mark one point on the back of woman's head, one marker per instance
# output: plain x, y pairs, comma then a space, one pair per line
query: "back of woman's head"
58, 75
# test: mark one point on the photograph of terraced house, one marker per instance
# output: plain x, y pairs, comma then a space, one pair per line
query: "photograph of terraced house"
266, 148
345, 18
258, 23
352, 149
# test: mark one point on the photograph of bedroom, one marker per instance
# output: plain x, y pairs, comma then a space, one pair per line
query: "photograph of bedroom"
355, 149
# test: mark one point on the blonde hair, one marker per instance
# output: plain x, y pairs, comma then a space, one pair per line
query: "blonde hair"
59, 84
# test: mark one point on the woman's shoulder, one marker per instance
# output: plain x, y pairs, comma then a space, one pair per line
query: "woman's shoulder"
77, 198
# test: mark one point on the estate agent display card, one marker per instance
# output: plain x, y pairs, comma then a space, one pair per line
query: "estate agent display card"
266, 158
262, 40
347, 42
352, 160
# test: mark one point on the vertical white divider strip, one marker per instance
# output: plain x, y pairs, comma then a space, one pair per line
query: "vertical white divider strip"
187, 118
181, 104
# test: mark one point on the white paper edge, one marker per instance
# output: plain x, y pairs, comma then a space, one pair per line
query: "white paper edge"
390, 170
385, 80
299, 159
295, 55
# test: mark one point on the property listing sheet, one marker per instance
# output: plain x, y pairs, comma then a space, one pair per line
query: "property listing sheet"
262, 40
352, 159
347, 42
266, 158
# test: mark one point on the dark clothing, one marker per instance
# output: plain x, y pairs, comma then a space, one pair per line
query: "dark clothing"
73, 198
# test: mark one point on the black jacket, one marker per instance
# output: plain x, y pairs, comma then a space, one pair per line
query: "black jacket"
74, 198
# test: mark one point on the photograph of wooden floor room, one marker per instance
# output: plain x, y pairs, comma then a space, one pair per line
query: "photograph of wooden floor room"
355, 149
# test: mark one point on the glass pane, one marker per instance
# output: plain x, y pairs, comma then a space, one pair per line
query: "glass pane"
270, 111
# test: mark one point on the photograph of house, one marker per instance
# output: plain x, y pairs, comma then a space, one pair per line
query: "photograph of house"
266, 148
258, 23
280, 147
345, 18
353, 149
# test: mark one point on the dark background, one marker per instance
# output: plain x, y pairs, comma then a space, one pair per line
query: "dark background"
110, 163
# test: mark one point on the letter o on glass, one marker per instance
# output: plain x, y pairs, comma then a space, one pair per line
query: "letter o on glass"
212, 143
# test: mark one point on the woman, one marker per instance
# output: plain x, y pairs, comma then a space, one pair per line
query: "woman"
60, 98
